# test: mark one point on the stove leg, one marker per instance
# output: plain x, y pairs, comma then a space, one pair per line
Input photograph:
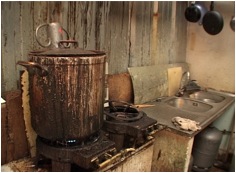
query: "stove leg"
60, 166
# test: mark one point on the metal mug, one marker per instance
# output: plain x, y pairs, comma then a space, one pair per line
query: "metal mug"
55, 35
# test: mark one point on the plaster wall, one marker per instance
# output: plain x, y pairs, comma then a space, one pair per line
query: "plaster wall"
211, 58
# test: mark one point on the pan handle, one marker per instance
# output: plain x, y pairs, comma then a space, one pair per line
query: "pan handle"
212, 6
43, 70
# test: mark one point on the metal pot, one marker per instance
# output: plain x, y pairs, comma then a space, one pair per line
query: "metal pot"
213, 21
66, 92
195, 12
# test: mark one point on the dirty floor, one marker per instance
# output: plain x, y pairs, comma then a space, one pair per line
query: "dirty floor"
28, 165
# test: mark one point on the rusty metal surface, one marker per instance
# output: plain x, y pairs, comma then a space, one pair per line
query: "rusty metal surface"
68, 102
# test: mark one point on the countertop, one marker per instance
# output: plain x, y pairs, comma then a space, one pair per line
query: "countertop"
164, 113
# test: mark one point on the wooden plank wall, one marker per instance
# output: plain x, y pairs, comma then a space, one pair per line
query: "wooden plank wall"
132, 34
14, 143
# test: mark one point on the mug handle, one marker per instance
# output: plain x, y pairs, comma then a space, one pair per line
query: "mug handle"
37, 38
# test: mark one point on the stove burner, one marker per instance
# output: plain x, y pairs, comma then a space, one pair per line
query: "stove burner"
127, 126
71, 142
62, 157
122, 113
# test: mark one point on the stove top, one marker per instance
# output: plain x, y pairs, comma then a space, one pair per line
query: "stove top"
124, 130
85, 156
127, 126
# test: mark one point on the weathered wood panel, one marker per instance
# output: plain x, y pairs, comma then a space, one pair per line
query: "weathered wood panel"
3, 134
170, 28
14, 128
140, 33
164, 32
131, 33
84, 26
180, 43
11, 43
118, 37
151, 82
27, 36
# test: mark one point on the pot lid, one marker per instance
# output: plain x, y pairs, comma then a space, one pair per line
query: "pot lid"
66, 52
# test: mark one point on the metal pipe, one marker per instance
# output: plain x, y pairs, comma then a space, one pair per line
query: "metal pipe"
112, 159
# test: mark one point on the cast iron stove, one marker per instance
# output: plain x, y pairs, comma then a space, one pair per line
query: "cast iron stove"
126, 126
86, 155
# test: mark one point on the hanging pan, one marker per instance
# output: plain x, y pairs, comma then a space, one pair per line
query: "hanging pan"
195, 12
212, 21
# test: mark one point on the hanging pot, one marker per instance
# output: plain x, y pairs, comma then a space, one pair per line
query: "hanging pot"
193, 13
213, 21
